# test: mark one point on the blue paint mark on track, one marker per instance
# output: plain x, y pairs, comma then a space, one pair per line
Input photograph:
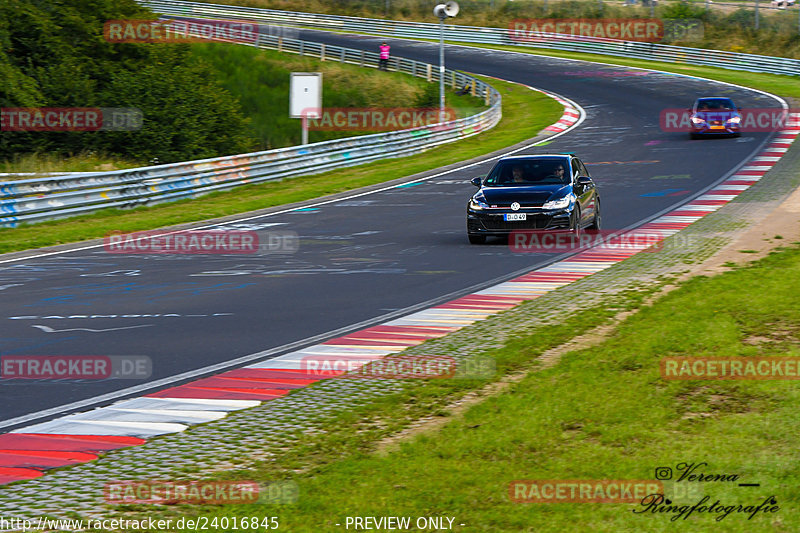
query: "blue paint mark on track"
666, 192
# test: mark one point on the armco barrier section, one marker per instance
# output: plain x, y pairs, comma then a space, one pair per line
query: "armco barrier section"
476, 34
34, 200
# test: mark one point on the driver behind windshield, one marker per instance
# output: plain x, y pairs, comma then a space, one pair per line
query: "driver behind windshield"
517, 175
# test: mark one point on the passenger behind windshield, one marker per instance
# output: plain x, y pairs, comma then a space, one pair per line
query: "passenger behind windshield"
528, 173
721, 104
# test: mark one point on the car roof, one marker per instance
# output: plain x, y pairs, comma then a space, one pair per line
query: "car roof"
715, 98
533, 156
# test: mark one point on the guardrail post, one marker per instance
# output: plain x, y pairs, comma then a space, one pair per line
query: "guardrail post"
280, 44
488, 95
301, 47
453, 82
428, 73
363, 55
473, 87
322, 52
413, 68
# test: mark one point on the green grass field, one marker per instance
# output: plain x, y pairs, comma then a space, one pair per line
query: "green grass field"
600, 413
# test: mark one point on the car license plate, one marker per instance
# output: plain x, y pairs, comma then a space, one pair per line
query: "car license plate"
510, 217
717, 127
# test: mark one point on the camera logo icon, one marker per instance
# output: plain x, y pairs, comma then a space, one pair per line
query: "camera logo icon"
663, 473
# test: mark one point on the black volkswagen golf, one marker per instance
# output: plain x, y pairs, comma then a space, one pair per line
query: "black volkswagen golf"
551, 192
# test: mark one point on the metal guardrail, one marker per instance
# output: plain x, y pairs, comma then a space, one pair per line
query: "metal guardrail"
476, 34
34, 200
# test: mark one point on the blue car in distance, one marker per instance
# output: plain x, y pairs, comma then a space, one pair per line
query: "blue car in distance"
714, 115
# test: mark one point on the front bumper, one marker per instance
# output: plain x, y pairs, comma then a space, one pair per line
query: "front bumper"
492, 223
724, 129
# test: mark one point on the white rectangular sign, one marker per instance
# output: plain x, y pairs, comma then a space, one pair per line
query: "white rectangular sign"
305, 95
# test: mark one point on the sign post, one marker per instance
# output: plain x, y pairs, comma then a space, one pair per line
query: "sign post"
305, 98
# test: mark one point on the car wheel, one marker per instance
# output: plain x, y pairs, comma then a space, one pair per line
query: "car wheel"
476, 239
595, 225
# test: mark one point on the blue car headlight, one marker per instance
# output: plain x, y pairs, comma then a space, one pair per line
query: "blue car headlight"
698, 120
478, 203
734, 120
559, 203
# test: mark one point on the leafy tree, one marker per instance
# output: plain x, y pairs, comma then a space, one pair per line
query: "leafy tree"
53, 54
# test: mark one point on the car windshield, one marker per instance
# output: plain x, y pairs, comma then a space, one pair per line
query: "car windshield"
716, 104
528, 172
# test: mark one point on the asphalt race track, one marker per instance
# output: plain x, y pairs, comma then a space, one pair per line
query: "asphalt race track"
359, 258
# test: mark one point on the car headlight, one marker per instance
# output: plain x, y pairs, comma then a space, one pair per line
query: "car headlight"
558, 203
734, 120
478, 203
698, 120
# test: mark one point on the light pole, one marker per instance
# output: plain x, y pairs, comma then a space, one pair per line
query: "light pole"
450, 9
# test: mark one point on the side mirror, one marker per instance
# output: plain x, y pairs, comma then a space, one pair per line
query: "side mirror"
476, 181
583, 181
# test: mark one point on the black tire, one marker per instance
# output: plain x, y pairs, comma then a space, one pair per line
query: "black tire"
597, 222
693, 136
476, 239
737, 134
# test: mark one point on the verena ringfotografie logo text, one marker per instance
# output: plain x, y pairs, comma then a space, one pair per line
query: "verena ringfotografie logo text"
189, 242
375, 119
75, 367
70, 119
582, 490
532, 30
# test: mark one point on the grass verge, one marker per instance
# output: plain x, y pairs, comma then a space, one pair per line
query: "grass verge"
601, 413
260, 81
526, 113
46, 163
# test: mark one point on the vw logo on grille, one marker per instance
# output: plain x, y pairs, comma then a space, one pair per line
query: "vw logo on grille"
515, 206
